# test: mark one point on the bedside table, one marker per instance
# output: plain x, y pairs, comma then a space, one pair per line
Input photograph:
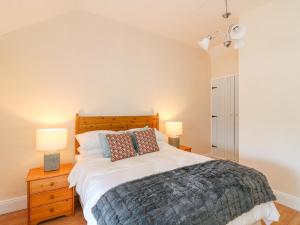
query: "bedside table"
185, 148
48, 194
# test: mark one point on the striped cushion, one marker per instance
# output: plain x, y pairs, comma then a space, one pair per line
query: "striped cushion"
146, 141
120, 146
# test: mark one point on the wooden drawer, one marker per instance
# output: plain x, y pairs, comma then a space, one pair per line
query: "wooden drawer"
42, 213
50, 197
49, 184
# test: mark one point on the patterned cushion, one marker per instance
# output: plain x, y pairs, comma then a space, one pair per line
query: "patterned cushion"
131, 134
104, 142
146, 141
120, 146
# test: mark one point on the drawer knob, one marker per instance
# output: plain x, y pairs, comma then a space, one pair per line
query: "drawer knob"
52, 184
51, 210
52, 196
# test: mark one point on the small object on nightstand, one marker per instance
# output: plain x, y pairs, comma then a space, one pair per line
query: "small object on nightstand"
50, 141
185, 148
48, 194
174, 130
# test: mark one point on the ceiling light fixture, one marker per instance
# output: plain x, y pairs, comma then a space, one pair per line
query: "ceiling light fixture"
204, 43
237, 31
239, 43
234, 33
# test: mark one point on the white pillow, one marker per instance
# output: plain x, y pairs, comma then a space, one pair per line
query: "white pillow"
160, 136
88, 152
90, 139
137, 129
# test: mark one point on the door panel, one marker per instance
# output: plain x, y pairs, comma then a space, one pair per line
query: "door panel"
223, 124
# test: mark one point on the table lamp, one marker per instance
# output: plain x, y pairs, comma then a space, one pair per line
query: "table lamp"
50, 141
174, 130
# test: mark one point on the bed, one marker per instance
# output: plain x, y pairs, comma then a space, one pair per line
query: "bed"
94, 176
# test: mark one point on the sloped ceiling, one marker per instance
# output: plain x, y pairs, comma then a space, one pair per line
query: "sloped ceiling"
16, 14
181, 20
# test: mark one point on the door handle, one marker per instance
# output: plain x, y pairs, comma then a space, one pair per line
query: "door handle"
214, 146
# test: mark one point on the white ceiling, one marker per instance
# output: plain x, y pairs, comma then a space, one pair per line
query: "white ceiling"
182, 20
15, 14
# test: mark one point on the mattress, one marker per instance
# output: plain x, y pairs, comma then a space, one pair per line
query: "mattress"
95, 175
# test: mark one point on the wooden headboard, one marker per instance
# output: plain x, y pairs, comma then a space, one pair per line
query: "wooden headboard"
90, 123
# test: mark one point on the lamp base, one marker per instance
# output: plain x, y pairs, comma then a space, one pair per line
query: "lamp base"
51, 161
174, 141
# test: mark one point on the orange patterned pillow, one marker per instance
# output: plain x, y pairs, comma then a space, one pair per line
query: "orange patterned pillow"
146, 141
120, 146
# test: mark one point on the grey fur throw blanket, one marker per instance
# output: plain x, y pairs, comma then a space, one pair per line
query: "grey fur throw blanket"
210, 193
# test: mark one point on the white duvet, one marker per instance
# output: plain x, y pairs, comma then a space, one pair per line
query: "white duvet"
93, 176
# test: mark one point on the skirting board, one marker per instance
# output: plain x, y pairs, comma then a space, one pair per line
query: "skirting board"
13, 204
288, 200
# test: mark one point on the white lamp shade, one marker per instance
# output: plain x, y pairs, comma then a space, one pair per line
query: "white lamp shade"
51, 139
239, 43
174, 129
204, 43
237, 31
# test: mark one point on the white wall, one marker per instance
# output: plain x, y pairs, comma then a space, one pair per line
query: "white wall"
270, 93
81, 62
224, 61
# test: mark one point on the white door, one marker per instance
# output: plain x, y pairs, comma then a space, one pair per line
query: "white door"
225, 118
